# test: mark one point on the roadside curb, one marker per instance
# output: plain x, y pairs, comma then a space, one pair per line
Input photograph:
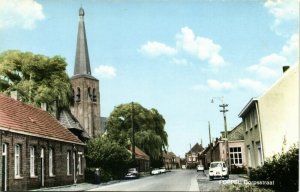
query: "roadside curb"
244, 176
74, 187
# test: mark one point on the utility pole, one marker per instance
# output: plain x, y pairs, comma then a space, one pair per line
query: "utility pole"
133, 132
209, 132
210, 144
224, 110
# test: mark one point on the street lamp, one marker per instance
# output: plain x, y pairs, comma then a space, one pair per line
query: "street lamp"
224, 110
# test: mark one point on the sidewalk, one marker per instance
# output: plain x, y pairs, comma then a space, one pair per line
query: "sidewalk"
82, 186
77, 187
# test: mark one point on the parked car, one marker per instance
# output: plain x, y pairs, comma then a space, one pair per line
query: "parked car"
132, 174
155, 171
162, 170
218, 169
200, 168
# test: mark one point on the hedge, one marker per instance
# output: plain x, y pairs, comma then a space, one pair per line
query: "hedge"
282, 168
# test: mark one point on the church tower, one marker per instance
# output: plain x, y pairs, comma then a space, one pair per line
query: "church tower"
85, 87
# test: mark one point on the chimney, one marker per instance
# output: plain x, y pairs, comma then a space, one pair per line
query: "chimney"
285, 68
14, 95
44, 106
55, 111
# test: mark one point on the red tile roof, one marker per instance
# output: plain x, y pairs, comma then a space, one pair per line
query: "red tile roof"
16, 116
139, 154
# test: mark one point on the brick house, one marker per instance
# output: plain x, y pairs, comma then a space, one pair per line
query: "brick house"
37, 151
171, 161
142, 159
216, 151
192, 157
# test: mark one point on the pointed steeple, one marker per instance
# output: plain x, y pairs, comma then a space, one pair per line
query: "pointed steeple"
82, 61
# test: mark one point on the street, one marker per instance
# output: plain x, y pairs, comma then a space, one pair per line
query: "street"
176, 180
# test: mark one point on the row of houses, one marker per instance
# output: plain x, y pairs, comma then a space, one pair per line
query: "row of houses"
37, 150
270, 125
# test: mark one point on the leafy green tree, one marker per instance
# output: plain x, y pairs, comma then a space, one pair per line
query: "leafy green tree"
37, 78
150, 135
109, 155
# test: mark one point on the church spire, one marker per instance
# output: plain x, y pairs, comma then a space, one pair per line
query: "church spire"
82, 61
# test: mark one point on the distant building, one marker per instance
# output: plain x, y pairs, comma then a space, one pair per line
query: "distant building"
271, 121
86, 95
171, 161
216, 151
236, 144
142, 159
37, 151
192, 157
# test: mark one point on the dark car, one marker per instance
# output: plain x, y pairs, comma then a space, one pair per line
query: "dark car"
132, 174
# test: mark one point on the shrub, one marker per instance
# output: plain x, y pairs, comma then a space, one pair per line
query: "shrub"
238, 170
90, 175
241, 187
282, 169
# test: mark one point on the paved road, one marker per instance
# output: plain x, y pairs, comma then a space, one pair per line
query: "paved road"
176, 180
216, 185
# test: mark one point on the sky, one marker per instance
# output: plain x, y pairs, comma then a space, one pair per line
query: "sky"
175, 56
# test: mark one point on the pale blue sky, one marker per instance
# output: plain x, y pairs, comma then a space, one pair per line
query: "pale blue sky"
170, 55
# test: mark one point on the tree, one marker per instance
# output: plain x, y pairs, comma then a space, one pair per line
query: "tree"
150, 135
37, 78
109, 155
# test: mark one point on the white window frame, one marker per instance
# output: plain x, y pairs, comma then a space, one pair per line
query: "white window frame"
255, 122
259, 154
51, 162
68, 163
32, 161
4, 158
247, 122
17, 161
79, 163
236, 153
249, 156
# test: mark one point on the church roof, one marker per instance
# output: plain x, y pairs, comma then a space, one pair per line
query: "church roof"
18, 117
82, 61
69, 121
